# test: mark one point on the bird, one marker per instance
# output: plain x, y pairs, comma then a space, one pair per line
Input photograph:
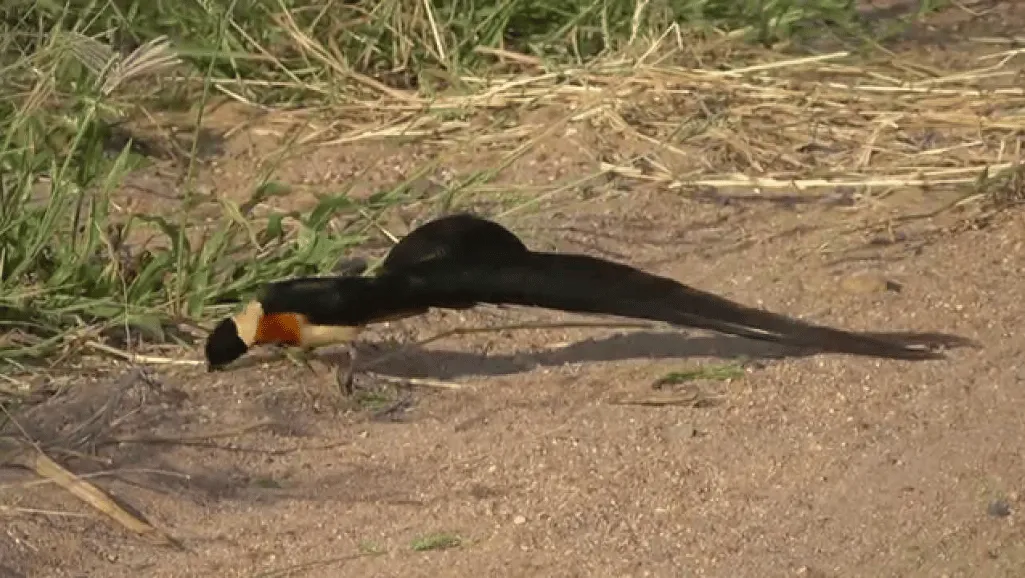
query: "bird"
463, 260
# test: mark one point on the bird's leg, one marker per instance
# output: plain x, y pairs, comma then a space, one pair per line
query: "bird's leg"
344, 372
300, 357
344, 375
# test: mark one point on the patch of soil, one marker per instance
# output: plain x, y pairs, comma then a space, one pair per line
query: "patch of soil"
805, 466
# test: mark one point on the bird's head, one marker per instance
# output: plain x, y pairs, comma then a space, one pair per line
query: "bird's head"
224, 345
233, 337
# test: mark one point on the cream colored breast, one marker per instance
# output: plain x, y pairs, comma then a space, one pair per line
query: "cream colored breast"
321, 335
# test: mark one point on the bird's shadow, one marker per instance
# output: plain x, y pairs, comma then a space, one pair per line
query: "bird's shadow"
418, 362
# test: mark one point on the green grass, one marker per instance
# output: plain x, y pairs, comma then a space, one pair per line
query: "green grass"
723, 372
67, 273
441, 541
371, 548
374, 401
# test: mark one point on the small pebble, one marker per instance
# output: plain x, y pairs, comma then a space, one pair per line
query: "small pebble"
518, 520
999, 509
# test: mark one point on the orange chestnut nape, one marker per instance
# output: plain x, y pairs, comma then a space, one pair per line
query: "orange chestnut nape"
279, 328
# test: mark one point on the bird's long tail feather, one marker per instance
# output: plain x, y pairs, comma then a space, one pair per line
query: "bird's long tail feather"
584, 284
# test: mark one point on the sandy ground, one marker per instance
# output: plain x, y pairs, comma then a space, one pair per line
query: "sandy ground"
817, 466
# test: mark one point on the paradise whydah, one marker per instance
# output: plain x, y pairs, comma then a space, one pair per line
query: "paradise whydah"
461, 260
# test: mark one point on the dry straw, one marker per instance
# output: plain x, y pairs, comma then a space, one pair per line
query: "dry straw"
805, 123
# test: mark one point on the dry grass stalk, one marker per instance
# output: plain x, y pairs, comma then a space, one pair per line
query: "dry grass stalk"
31, 458
805, 123
83, 425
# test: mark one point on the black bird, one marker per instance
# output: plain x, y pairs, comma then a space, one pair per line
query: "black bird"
462, 260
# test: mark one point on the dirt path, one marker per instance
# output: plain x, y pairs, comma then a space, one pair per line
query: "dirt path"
825, 464
798, 466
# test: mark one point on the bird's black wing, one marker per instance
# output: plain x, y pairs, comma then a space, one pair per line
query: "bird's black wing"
460, 237
351, 301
